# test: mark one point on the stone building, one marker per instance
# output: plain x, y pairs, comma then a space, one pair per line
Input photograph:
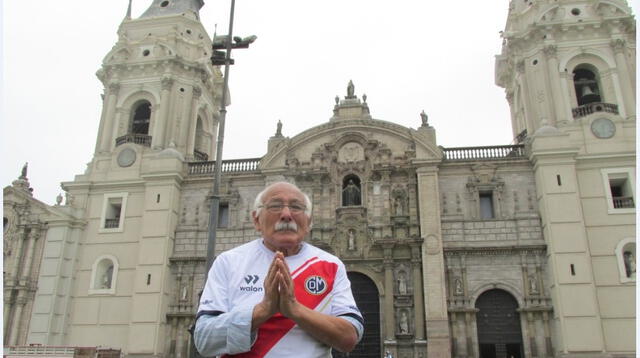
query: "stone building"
522, 250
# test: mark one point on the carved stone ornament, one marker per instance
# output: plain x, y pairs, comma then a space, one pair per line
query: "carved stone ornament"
432, 245
351, 152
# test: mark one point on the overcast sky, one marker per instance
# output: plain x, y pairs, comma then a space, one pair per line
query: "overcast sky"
407, 56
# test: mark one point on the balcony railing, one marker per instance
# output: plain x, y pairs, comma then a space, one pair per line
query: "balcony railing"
136, 138
200, 156
589, 108
111, 223
228, 166
623, 202
498, 152
521, 137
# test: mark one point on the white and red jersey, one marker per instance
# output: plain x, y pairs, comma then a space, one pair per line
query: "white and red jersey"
236, 281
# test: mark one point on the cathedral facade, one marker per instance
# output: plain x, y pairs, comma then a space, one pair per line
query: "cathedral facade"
520, 250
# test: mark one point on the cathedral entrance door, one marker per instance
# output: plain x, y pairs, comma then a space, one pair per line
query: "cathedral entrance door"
367, 298
498, 323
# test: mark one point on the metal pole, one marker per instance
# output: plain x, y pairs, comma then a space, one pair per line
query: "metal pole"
215, 195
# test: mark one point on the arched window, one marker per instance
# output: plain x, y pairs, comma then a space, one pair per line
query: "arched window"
585, 81
141, 118
104, 275
626, 255
351, 191
199, 152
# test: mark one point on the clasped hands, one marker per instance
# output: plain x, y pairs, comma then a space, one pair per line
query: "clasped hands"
279, 293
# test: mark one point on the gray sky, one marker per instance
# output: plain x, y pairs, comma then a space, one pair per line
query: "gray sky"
407, 56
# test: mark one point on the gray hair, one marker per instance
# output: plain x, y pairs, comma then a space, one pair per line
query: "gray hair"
257, 204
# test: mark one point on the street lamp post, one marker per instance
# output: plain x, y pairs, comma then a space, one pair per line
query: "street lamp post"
220, 57
221, 46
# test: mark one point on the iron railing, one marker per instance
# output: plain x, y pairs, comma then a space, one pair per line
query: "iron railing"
623, 202
228, 166
111, 223
142, 139
497, 152
589, 108
200, 156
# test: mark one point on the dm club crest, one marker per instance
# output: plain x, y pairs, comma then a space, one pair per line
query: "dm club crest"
315, 285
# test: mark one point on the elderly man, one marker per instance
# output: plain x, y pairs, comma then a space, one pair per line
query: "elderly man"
278, 296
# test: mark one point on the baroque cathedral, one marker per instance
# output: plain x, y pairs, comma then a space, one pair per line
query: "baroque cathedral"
509, 251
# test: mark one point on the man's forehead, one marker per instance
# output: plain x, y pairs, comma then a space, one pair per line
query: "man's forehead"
283, 191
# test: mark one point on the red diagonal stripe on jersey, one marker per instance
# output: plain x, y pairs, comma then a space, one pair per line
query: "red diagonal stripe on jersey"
277, 326
303, 266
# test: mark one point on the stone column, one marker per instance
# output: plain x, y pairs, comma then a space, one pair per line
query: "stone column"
547, 334
159, 129
554, 77
17, 315
472, 338
15, 270
193, 121
524, 96
628, 95
183, 110
433, 273
416, 264
34, 234
7, 306
105, 137
180, 346
531, 332
389, 313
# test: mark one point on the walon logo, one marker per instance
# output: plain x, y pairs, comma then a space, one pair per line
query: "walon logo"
251, 280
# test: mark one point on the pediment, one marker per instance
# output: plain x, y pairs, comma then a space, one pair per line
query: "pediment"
354, 142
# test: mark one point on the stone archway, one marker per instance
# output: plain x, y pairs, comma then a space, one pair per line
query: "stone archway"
498, 325
367, 298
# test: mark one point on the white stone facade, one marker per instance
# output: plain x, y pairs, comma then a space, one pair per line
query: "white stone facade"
452, 245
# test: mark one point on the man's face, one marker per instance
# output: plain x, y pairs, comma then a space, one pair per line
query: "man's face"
282, 228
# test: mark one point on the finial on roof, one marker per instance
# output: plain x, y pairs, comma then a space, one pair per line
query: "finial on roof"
129, 11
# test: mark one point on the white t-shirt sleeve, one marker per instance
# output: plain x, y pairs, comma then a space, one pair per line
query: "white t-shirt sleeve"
342, 302
221, 328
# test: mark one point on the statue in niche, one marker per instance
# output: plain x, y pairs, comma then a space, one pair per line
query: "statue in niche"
402, 283
183, 294
533, 284
351, 194
105, 281
398, 206
629, 264
458, 287
351, 241
404, 323
388, 354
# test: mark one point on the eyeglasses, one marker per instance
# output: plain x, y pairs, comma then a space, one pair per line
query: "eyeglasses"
294, 208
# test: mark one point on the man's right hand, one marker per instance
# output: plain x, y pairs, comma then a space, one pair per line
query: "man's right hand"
271, 299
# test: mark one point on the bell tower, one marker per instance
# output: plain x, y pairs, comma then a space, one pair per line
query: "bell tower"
562, 60
569, 71
159, 84
159, 113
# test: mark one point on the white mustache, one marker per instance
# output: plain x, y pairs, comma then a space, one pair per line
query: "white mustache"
286, 225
